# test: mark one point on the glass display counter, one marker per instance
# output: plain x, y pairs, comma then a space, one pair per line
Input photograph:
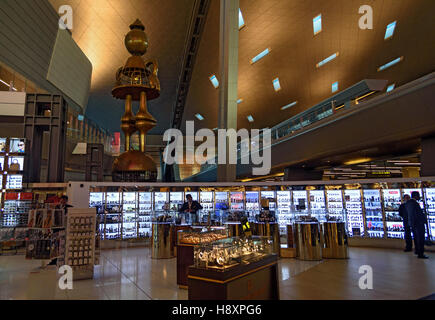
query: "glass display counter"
224, 268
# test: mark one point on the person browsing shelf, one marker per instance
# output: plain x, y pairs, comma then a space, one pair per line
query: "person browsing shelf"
404, 214
417, 220
191, 207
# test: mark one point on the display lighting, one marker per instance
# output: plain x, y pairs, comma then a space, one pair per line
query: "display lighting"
239, 101
289, 105
317, 24
357, 161
250, 118
4, 82
390, 30
241, 20
391, 87
199, 117
276, 85
329, 59
390, 64
335, 87
260, 56
214, 81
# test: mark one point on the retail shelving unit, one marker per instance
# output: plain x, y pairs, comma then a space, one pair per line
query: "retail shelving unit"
237, 199
129, 215
393, 221
373, 213
334, 200
207, 200
354, 209
430, 207
318, 204
145, 210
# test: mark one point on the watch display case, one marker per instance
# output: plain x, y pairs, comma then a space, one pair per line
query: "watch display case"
176, 200
237, 201
129, 215
271, 196
112, 213
196, 236
207, 203
300, 203
355, 220
393, 221
334, 200
283, 212
227, 253
144, 218
161, 201
373, 213
252, 201
221, 200
165, 217
96, 200
430, 207
318, 204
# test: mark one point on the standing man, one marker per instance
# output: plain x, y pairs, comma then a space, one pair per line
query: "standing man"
191, 207
404, 214
417, 220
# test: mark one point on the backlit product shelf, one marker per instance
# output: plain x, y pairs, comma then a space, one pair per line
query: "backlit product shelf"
144, 218
237, 201
355, 220
271, 196
334, 199
300, 203
430, 208
393, 221
176, 200
283, 212
207, 201
373, 213
318, 204
252, 201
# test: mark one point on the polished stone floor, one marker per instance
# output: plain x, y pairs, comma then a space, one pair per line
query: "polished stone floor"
132, 274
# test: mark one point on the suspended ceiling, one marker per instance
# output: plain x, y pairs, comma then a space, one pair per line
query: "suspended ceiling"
284, 26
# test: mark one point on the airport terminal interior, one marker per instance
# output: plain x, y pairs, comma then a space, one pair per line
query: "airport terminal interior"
217, 150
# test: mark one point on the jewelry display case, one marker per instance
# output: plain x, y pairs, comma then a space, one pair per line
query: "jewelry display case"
196, 236
227, 253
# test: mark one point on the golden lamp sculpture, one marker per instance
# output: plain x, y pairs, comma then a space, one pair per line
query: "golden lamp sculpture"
136, 81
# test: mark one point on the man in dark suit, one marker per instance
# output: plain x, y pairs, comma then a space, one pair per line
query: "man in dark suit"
191, 207
404, 214
417, 220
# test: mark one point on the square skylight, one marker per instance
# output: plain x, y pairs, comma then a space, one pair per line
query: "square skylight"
390, 64
289, 105
276, 84
250, 118
199, 117
214, 81
391, 87
317, 24
241, 20
335, 87
329, 59
390, 30
260, 56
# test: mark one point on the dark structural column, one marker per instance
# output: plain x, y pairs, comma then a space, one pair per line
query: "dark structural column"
301, 174
427, 157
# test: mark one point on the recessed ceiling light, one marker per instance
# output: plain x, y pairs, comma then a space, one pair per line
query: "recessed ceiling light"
329, 59
390, 64
317, 24
241, 20
276, 84
390, 30
250, 118
335, 87
199, 117
289, 105
239, 101
391, 87
214, 81
260, 56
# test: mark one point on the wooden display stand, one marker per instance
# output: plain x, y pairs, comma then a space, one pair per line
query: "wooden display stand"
184, 260
255, 281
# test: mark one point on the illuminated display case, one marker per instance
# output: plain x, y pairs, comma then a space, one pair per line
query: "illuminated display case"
420, 192
176, 200
237, 201
207, 201
161, 201
112, 216
231, 252
144, 218
373, 213
300, 203
129, 215
221, 200
334, 199
271, 196
318, 204
430, 208
196, 236
16, 209
252, 201
355, 219
283, 199
393, 221
97, 200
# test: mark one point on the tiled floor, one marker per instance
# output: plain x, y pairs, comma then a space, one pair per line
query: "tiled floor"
132, 274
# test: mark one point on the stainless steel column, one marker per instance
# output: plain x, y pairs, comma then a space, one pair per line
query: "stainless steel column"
161, 241
334, 240
308, 241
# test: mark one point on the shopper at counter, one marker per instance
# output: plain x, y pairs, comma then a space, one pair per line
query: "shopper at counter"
191, 207
417, 220
404, 214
